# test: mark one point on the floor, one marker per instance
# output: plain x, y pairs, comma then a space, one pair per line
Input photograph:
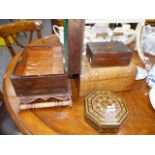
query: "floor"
6, 124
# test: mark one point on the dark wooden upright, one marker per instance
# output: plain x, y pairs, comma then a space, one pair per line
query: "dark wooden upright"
75, 45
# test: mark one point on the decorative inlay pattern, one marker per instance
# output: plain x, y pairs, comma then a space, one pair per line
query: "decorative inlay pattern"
104, 108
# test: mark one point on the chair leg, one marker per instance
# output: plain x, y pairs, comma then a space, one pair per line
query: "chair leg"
1, 96
39, 34
8, 44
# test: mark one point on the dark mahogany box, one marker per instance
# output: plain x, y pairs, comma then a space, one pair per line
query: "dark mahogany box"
113, 53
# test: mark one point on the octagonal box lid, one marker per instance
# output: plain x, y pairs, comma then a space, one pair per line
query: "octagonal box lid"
105, 111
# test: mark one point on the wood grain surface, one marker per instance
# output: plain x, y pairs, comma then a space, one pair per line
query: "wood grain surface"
65, 120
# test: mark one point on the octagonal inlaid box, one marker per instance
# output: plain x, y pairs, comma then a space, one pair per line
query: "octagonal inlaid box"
105, 111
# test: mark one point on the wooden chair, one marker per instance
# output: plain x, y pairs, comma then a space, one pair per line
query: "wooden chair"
18, 27
11, 30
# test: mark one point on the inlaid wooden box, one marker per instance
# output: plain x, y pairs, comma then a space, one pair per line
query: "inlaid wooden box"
105, 111
40, 72
113, 53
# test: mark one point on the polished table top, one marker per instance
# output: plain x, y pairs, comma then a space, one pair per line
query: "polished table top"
66, 120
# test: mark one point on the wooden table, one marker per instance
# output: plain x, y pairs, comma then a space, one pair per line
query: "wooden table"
65, 120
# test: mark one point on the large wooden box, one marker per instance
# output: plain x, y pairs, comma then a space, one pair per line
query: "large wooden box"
105, 111
117, 78
113, 53
40, 73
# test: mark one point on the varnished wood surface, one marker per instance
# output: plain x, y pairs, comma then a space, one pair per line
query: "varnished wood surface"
65, 120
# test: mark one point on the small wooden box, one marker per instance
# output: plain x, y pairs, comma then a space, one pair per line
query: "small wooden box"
40, 73
105, 111
113, 53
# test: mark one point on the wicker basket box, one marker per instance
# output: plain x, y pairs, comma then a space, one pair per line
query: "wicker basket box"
119, 78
